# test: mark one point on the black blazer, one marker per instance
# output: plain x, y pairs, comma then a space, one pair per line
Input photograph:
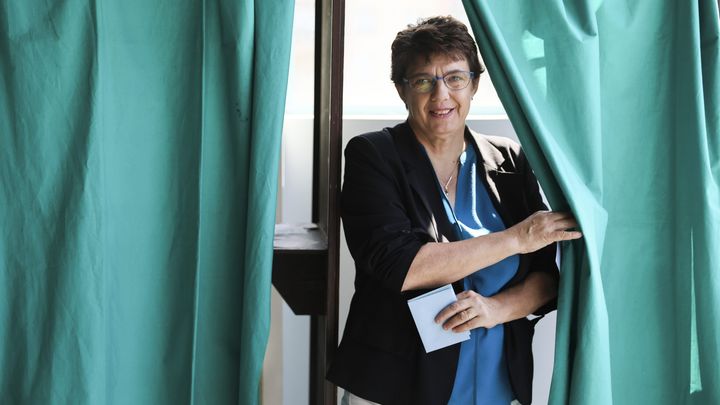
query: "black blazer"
391, 205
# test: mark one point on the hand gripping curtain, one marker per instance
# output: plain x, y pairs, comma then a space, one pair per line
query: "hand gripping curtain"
617, 105
139, 147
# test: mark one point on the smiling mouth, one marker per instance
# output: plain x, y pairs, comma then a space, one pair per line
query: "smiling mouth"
441, 113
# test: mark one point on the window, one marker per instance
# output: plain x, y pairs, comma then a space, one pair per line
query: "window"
370, 28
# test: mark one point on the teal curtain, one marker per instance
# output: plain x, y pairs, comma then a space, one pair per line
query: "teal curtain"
617, 105
139, 147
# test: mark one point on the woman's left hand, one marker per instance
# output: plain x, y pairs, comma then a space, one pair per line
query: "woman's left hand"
470, 311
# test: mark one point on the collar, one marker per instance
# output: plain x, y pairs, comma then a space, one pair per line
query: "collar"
422, 178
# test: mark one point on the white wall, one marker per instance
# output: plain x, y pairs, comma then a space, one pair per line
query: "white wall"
286, 369
290, 333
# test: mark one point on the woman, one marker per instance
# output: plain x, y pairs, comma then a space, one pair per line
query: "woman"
427, 203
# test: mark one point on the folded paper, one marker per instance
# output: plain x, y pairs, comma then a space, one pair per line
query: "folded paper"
424, 309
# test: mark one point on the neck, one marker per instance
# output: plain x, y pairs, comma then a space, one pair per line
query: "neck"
443, 147
444, 152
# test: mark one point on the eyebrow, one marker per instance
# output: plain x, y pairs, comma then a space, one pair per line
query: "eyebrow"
433, 75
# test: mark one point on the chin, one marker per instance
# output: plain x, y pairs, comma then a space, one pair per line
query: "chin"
449, 128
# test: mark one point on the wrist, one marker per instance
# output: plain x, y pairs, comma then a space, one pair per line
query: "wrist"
512, 241
498, 313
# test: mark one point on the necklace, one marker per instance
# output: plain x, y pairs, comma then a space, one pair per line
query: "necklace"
446, 186
447, 183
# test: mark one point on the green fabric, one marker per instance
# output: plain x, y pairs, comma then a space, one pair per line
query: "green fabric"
617, 106
139, 147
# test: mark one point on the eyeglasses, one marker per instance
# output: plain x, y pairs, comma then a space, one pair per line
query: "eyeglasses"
426, 83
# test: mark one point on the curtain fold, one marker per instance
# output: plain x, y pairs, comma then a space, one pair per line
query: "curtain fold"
139, 148
616, 104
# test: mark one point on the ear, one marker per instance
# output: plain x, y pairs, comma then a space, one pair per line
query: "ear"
401, 92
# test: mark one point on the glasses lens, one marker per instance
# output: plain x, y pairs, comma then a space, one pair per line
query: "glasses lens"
457, 80
453, 81
422, 84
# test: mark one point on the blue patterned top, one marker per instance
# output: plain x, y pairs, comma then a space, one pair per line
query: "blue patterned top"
482, 374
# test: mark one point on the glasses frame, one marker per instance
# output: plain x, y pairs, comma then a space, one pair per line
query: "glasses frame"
435, 79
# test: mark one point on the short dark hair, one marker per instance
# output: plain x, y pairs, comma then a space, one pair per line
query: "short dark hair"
443, 35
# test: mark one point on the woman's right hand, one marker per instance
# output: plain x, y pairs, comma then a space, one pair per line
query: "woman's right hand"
543, 228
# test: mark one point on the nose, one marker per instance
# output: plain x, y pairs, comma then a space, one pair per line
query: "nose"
440, 91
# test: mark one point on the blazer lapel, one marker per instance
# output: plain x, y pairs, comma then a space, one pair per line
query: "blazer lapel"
502, 186
422, 179
506, 188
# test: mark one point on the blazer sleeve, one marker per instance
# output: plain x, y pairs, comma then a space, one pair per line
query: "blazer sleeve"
377, 227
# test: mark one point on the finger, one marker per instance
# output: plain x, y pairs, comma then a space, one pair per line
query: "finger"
572, 235
557, 215
461, 303
451, 310
566, 235
459, 319
465, 294
473, 323
566, 224
554, 220
560, 214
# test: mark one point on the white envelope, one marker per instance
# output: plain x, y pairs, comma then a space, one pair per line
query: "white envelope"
424, 308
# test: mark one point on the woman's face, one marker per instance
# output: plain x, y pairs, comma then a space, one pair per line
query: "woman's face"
441, 112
